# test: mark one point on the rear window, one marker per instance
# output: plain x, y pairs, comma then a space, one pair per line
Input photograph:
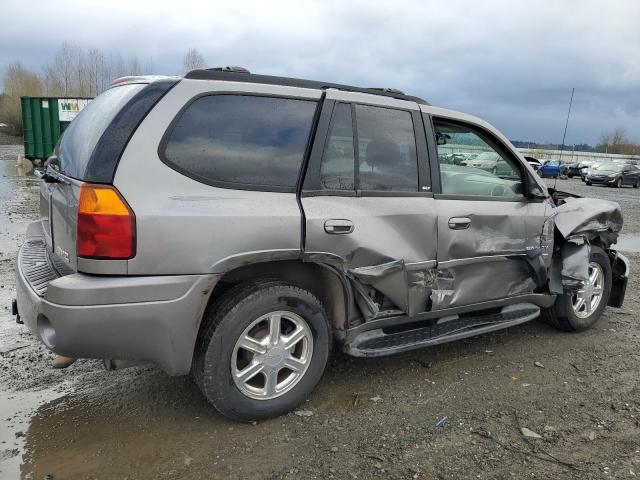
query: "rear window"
82, 135
241, 140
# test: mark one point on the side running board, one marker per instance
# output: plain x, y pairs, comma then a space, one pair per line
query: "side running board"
390, 340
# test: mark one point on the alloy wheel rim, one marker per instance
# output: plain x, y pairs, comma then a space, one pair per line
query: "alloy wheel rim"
587, 299
272, 355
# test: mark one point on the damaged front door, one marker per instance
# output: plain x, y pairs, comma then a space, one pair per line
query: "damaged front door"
482, 215
367, 201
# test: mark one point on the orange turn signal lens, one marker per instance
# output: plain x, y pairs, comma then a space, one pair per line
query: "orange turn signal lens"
106, 224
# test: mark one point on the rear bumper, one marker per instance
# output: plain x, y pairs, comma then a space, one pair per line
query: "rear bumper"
152, 319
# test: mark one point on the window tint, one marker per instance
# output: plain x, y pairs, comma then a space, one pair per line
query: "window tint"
338, 160
387, 149
241, 139
82, 135
470, 166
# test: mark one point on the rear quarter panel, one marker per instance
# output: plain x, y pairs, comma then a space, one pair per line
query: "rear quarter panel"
187, 227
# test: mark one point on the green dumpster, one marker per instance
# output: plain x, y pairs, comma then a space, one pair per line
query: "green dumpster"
43, 121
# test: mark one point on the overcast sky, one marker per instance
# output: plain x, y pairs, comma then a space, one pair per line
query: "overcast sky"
511, 62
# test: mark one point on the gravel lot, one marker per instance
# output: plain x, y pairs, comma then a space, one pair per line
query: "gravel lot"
367, 419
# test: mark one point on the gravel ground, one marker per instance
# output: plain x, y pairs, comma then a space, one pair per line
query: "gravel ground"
367, 419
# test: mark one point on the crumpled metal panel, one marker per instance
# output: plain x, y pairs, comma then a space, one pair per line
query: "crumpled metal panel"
391, 247
580, 221
490, 234
408, 286
587, 218
575, 264
479, 282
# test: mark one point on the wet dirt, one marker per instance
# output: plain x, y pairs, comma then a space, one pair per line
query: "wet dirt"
371, 418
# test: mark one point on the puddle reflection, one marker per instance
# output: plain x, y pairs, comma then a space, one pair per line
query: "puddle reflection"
628, 242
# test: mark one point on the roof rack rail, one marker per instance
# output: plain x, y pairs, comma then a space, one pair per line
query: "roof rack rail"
388, 90
240, 74
228, 69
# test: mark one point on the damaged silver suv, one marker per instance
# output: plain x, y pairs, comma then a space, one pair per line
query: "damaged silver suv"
234, 227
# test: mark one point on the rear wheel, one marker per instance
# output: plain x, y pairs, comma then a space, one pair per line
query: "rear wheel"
263, 350
588, 183
581, 310
637, 184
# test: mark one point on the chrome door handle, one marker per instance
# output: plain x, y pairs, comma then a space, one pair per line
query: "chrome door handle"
338, 226
459, 223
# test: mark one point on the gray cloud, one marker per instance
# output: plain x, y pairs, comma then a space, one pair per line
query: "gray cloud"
512, 63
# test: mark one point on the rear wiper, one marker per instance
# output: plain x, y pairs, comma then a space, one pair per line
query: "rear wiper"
46, 176
52, 164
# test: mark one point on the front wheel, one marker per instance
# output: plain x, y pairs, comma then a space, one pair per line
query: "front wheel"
619, 183
263, 350
588, 183
581, 310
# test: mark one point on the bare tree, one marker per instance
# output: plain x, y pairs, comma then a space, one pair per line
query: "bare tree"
95, 68
192, 60
81, 74
617, 142
133, 66
52, 86
18, 81
63, 67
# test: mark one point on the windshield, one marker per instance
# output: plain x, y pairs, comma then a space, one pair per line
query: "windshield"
610, 167
82, 135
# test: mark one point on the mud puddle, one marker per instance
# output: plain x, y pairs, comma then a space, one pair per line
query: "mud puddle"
628, 242
17, 410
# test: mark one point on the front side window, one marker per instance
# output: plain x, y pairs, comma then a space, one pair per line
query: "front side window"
241, 140
469, 165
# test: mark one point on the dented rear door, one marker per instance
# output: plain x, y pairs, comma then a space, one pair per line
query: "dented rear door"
367, 202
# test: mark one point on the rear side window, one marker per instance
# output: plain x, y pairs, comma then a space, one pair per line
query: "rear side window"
338, 160
241, 140
80, 138
386, 149
386, 157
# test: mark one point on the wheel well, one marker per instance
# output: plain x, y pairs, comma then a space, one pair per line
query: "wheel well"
326, 283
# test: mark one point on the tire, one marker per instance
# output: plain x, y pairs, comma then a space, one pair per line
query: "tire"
217, 353
637, 184
494, 171
563, 316
588, 183
570, 175
618, 182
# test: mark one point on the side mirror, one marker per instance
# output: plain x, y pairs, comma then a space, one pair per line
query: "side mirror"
441, 138
532, 189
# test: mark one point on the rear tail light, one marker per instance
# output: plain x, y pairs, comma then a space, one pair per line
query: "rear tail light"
106, 224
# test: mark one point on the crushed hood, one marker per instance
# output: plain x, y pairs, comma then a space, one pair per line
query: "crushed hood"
588, 218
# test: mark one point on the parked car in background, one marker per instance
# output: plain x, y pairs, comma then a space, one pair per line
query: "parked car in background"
549, 168
570, 169
489, 162
583, 168
588, 166
614, 174
534, 162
